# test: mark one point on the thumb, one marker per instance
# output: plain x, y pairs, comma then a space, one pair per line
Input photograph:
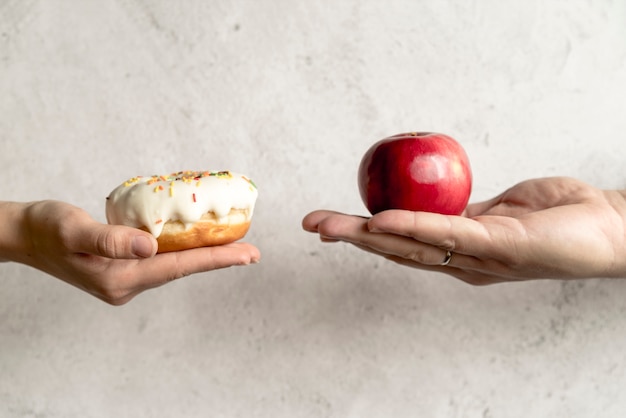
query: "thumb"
117, 241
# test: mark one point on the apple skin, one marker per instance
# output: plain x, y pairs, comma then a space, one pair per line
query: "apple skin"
416, 171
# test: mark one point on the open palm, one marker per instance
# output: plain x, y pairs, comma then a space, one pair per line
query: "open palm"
542, 228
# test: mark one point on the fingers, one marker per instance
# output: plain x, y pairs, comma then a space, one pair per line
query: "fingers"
409, 254
311, 221
422, 239
116, 241
212, 258
166, 267
333, 226
455, 233
125, 279
485, 246
429, 228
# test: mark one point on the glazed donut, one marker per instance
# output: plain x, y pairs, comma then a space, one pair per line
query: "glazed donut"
187, 209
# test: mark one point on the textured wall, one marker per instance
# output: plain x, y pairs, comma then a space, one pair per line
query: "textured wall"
292, 93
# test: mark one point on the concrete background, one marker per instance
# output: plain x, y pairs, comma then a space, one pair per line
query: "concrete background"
292, 93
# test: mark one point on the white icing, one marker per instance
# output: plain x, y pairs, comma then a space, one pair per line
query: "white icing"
185, 196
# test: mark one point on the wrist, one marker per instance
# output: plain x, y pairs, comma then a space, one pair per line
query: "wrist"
13, 232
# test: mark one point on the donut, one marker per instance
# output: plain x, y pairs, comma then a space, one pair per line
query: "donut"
185, 209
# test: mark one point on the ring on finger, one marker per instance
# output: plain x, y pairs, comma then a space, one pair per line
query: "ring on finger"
447, 258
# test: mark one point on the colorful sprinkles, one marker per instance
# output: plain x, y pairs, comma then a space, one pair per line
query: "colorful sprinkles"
188, 177
249, 181
187, 198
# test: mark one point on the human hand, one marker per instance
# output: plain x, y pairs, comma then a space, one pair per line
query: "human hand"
112, 262
556, 228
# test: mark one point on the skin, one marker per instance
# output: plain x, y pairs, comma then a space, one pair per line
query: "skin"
111, 262
558, 228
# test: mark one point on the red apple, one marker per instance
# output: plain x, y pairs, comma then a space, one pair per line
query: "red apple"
417, 171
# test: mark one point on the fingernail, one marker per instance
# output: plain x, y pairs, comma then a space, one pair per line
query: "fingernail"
142, 246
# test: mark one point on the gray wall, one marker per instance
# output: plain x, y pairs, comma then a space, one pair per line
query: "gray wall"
292, 93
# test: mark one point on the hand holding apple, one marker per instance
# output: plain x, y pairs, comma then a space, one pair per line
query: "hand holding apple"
417, 171
559, 228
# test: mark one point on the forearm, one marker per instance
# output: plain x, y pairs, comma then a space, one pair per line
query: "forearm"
13, 232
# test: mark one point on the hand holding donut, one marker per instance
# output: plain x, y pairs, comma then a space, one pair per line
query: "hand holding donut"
542, 228
112, 262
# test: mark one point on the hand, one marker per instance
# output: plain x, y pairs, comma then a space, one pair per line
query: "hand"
114, 263
544, 228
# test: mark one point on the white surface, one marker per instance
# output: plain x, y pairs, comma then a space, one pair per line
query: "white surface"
292, 93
